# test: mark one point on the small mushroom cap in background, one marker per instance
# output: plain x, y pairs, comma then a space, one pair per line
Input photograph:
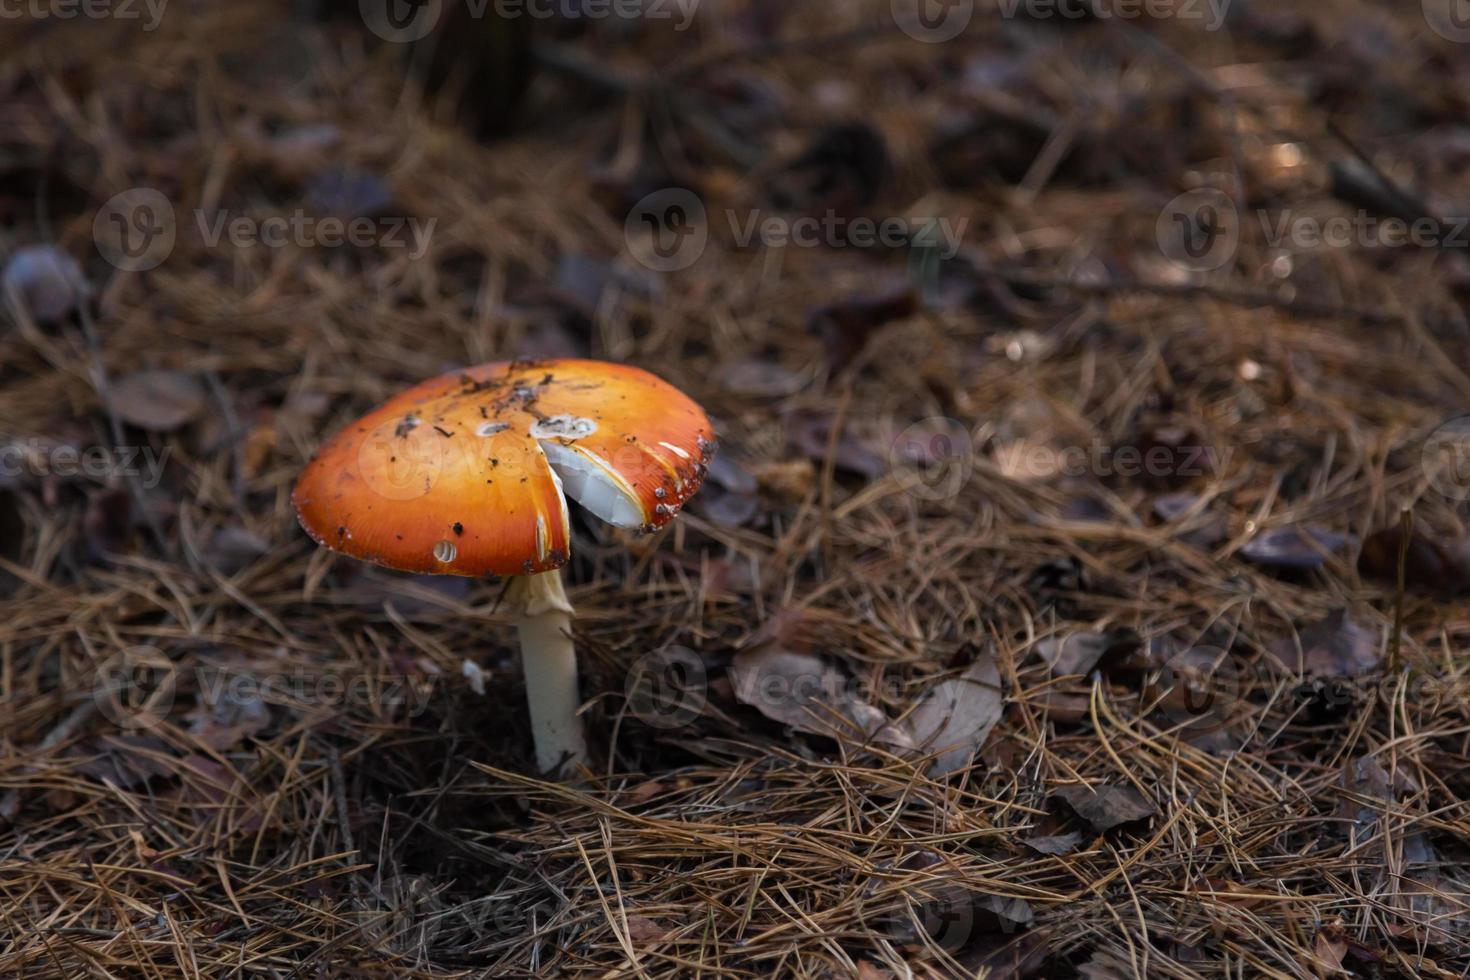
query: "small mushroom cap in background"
469, 473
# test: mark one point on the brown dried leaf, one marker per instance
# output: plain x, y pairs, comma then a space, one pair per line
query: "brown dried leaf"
232, 717
789, 480
232, 549
759, 378
955, 718
642, 929
1107, 806
805, 692
1076, 653
125, 760
1330, 947
1295, 547
1055, 844
45, 280
1432, 564
811, 434
1331, 647
158, 401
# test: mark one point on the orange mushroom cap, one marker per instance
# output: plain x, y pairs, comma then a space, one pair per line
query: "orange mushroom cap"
468, 473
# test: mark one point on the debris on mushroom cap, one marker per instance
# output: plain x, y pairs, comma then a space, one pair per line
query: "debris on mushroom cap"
469, 473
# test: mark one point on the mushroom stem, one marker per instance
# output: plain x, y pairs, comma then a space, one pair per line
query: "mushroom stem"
550, 664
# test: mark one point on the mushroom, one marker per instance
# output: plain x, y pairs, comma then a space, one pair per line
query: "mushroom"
469, 473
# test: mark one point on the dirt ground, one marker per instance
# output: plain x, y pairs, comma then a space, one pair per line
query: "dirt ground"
1078, 591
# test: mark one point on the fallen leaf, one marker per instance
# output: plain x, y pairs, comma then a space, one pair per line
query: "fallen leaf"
1088, 509
580, 281
957, 715
1062, 708
641, 793
232, 549
125, 760
790, 627
789, 480
810, 435
1433, 564
759, 377
726, 471
730, 492
807, 693
726, 509
45, 280
1054, 844
345, 193
642, 929
1368, 790
1331, 647
1105, 807
1198, 691
1075, 653
1002, 914
1295, 547
1330, 947
1007, 958
233, 716
158, 401
1104, 966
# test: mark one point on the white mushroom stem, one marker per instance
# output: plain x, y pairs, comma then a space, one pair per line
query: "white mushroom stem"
550, 664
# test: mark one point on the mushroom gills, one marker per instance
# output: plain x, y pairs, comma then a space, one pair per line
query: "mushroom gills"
594, 484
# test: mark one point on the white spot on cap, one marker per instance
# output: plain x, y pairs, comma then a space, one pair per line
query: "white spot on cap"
541, 537
562, 427
491, 428
682, 454
445, 551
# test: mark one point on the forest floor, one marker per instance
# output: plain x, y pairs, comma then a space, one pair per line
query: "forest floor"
1078, 590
